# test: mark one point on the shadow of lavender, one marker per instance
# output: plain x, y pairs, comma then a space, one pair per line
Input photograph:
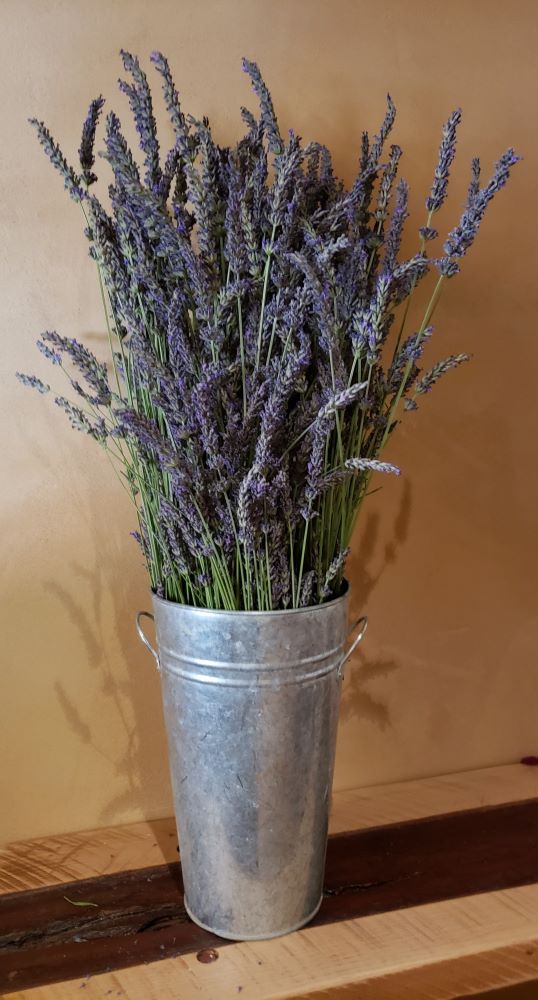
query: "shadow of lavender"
136, 705
140, 719
114, 575
356, 701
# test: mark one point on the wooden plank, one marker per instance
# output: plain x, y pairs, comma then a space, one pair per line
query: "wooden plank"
363, 807
44, 861
438, 951
45, 936
516, 967
69, 857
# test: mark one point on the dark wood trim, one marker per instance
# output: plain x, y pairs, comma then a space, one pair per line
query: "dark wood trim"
140, 917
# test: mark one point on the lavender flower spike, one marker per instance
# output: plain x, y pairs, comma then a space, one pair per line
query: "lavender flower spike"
430, 378
87, 141
142, 107
33, 382
474, 183
447, 151
397, 222
371, 464
341, 400
384, 131
463, 236
268, 116
51, 355
334, 571
171, 100
428, 233
58, 160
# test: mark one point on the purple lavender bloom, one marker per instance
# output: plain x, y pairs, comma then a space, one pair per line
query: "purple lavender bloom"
370, 322
462, 237
428, 233
251, 241
306, 597
406, 359
171, 98
286, 177
371, 465
352, 277
205, 403
84, 360
253, 493
315, 468
474, 183
171, 523
179, 345
169, 173
384, 132
235, 247
249, 119
341, 400
447, 267
49, 353
279, 569
142, 107
268, 116
56, 157
173, 106
192, 531
33, 382
333, 576
204, 188
387, 181
147, 436
85, 153
365, 153
447, 152
407, 275
430, 378
81, 422
361, 192
253, 340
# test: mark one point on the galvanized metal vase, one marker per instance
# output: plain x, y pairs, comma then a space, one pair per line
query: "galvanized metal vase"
251, 704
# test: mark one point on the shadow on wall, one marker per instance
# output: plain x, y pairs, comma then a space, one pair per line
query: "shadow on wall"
356, 701
122, 668
141, 721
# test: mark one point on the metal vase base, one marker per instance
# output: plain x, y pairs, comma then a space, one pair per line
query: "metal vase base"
252, 937
251, 702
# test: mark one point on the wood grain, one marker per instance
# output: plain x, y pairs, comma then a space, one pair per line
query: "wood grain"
439, 951
436, 951
72, 856
84, 928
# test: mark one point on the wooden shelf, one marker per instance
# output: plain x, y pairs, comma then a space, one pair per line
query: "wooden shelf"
448, 948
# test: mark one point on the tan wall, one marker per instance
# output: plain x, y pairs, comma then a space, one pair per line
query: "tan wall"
446, 560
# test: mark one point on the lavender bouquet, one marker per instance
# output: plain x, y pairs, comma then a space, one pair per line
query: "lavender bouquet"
260, 362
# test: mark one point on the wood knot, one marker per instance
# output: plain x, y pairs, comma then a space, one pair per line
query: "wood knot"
207, 955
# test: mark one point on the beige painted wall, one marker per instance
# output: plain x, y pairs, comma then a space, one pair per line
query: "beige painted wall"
446, 559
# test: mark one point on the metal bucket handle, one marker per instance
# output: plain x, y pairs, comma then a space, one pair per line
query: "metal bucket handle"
363, 620
143, 636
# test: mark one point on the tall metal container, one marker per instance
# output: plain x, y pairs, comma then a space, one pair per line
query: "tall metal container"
251, 705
